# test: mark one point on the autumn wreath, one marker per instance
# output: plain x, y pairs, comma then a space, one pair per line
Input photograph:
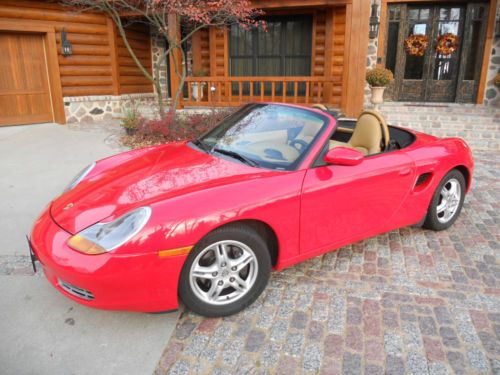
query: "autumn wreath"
447, 44
416, 45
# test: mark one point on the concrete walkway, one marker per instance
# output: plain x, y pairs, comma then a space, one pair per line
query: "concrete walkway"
42, 332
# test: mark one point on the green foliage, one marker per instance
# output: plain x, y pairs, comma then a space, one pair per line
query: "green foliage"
132, 118
379, 77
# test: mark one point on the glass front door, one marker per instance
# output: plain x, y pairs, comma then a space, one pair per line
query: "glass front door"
432, 74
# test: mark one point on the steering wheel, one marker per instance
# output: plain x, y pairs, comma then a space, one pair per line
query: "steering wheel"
302, 145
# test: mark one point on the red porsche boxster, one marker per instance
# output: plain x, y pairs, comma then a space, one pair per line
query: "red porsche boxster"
272, 185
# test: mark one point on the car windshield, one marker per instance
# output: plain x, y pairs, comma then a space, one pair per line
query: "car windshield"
265, 135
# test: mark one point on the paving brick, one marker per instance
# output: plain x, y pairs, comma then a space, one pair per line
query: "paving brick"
351, 364
333, 346
433, 349
354, 338
424, 310
427, 325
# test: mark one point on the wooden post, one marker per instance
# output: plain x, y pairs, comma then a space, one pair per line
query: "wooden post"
113, 52
329, 24
487, 51
357, 27
174, 32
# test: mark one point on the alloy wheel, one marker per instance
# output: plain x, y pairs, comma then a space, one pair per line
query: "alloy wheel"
449, 201
223, 272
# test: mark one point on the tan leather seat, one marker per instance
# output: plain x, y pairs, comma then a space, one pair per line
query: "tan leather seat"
370, 133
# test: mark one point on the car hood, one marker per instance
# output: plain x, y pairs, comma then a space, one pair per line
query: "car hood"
161, 173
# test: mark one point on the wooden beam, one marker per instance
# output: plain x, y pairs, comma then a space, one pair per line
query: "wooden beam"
212, 40
487, 51
54, 78
265, 4
196, 47
347, 49
113, 52
357, 26
329, 25
382, 32
174, 31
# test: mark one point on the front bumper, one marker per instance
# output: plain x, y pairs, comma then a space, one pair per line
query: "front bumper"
138, 282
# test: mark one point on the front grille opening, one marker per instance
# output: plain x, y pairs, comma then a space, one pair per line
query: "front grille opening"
76, 291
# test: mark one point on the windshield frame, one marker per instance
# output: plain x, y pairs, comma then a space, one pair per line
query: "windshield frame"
229, 121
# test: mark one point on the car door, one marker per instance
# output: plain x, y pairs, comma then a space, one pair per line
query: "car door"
343, 203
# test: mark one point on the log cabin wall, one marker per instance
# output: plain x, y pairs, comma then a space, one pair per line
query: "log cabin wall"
131, 79
99, 65
210, 51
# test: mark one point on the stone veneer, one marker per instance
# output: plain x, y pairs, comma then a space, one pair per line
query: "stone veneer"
158, 45
105, 107
102, 107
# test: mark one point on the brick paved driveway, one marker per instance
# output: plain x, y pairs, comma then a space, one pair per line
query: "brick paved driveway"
410, 301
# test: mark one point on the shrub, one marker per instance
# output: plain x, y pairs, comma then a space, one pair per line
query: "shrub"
132, 118
172, 128
379, 77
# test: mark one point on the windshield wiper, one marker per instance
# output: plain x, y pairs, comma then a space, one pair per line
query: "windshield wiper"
202, 145
235, 155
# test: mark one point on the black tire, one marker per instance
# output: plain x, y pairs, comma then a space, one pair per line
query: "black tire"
432, 221
240, 233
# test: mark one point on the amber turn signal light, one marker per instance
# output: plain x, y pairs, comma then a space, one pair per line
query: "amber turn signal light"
174, 252
83, 245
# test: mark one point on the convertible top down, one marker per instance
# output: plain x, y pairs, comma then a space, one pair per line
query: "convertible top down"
270, 186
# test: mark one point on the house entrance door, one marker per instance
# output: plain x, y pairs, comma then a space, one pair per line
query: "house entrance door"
435, 76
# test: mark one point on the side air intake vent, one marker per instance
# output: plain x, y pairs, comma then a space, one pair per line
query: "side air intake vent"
422, 178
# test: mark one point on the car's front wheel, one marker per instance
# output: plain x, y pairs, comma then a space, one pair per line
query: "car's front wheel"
226, 271
447, 202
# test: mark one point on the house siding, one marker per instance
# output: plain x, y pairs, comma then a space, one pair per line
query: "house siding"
100, 65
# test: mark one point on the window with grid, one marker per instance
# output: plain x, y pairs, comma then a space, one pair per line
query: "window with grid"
283, 50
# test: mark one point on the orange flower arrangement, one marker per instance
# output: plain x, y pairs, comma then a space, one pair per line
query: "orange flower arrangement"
447, 44
416, 44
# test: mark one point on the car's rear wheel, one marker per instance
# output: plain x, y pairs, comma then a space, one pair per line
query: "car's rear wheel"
447, 202
226, 271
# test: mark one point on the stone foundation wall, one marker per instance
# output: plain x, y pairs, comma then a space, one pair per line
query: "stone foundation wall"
102, 107
479, 125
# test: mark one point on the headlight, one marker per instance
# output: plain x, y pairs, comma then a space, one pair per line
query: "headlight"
103, 237
79, 177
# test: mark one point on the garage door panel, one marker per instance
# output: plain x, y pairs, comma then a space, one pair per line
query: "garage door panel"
24, 85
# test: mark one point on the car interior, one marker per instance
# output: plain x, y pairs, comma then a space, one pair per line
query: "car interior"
283, 139
368, 134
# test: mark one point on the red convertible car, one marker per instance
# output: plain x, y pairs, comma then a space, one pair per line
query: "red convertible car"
272, 185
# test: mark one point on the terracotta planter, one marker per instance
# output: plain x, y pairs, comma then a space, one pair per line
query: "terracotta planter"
377, 96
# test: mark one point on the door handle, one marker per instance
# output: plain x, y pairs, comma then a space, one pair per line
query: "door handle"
404, 171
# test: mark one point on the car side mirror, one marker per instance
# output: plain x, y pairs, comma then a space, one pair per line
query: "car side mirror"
344, 156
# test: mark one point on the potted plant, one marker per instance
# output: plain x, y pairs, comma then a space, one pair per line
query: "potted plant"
131, 120
378, 79
196, 92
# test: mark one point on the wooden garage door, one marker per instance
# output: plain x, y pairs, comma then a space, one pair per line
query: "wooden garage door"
24, 86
